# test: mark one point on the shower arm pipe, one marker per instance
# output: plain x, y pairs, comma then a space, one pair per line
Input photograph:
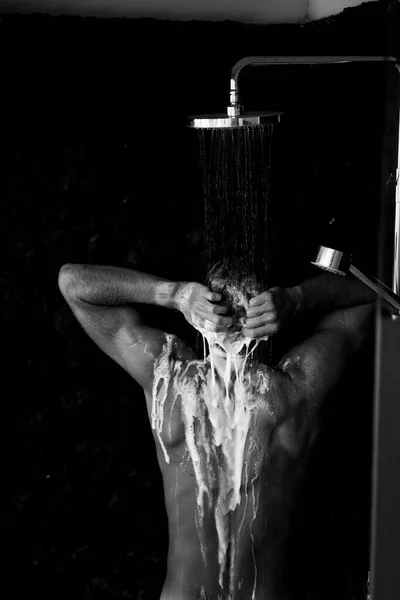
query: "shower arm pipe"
235, 108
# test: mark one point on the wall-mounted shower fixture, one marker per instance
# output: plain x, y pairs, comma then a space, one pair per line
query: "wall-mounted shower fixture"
340, 263
235, 117
236, 109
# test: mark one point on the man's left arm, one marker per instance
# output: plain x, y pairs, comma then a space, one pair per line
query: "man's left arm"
275, 308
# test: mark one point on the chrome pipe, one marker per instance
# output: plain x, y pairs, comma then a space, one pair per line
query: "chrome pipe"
340, 263
235, 107
235, 117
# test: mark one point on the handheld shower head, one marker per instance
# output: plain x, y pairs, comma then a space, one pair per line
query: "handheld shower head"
341, 264
333, 260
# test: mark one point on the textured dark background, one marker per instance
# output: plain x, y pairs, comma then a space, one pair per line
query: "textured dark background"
97, 166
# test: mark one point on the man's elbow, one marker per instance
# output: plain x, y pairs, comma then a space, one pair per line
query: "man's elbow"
67, 281
360, 325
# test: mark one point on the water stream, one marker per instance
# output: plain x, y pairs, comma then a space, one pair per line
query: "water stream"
236, 165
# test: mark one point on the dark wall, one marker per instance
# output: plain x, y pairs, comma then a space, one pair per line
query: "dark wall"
97, 166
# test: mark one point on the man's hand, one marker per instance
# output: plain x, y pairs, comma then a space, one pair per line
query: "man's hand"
269, 312
195, 301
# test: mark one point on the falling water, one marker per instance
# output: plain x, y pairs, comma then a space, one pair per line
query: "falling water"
236, 170
236, 165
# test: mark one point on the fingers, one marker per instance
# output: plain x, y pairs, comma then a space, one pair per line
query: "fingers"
213, 312
262, 319
257, 332
210, 310
257, 311
208, 315
218, 321
216, 309
264, 298
212, 296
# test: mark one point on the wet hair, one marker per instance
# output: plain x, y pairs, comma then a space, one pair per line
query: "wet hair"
232, 279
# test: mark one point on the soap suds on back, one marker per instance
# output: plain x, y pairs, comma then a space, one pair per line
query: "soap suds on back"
217, 412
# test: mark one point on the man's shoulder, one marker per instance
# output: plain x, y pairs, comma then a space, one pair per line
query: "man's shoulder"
174, 348
141, 350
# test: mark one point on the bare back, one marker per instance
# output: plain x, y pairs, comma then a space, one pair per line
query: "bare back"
225, 453
231, 451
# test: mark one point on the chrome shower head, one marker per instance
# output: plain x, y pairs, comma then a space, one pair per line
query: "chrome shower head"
222, 120
333, 260
340, 263
235, 116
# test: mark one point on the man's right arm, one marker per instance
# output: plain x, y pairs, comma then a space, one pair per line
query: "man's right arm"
106, 301
317, 364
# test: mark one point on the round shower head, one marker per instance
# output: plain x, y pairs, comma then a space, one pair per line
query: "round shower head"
217, 121
340, 263
333, 260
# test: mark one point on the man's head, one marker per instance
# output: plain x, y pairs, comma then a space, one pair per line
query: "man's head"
232, 279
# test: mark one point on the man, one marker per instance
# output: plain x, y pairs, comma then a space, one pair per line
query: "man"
232, 434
